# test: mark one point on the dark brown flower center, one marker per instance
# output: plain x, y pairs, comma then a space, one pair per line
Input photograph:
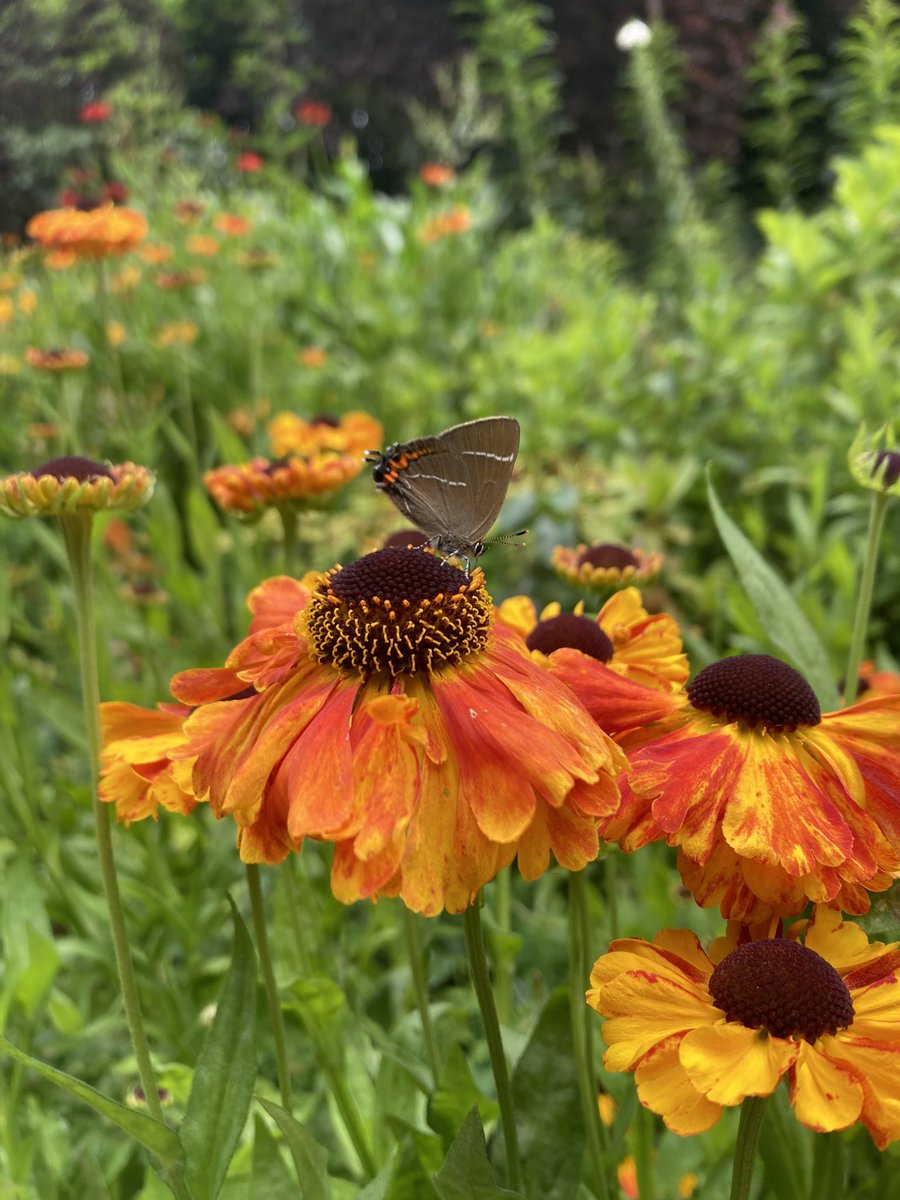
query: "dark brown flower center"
405, 538
605, 555
782, 987
325, 419
892, 470
277, 464
398, 611
758, 690
574, 632
71, 466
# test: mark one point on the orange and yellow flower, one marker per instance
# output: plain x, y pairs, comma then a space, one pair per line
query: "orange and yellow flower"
155, 253
137, 773
353, 433
59, 358
252, 486
381, 710
457, 220
820, 1009
312, 356
176, 333
771, 803
202, 244
232, 225
603, 565
74, 485
95, 233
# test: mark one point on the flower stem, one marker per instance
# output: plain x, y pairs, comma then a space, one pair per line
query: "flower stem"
503, 965
610, 869
76, 529
643, 1154
276, 1016
583, 1030
828, 1168
753, 1110
864, 599
478, 969
416, 956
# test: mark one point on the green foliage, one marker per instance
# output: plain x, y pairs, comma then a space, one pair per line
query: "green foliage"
513, 44
868, 83
785, 107
464, 123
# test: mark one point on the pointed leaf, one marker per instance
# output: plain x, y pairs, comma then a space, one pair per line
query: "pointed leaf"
223, 1081
310, 1158
455, 1096
158, 1139
778, 611
271, 1179
466, 1173
549, 1122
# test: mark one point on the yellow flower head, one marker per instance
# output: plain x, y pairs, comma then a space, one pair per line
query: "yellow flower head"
601, 565
74, 485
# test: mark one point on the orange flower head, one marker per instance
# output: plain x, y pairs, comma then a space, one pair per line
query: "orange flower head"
156, 253
312, 356
771, 803
98, 233
202, 244
176, 333
457, 220
232, 225
58, 358
26, 300
74, 485
136, 772
313, 113
436, 174
7, 310
250, 487
173, 281
600, 565
353, 433
873, 682
381, 710
819, 1008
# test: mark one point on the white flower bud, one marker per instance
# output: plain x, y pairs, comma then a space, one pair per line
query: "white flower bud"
634, 33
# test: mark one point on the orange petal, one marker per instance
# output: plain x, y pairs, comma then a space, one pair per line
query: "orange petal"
617, 704
664, 1087
276, 602
825, 1094
876, 1065
316, 775
644, 1007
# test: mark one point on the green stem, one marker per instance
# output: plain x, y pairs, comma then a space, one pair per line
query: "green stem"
864, 599
503, 965
112, 355
289, 522
828, 1167
186, 403
582, 1019
753, 1110
76, 529
610, 871
478, 969
644, 1125
276, 1016
348, 1110
416, 956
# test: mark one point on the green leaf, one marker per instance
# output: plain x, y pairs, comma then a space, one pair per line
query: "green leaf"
157, 1138
31, 957
784, 1147
456, 1094
466, 1173
309, 1157
778, 611
270, 1179
548, 1119
223, 1081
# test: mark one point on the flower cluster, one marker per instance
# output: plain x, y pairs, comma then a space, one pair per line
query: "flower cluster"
97, 233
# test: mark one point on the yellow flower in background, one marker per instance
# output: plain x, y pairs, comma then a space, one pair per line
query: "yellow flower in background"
7, 310
9, 281
604, 565
9, 364
352, 433
202, 244
27, 301
74, 485
115, 333
176, 333
312, 356
250, 487
125, 280
701, 1031
156, 252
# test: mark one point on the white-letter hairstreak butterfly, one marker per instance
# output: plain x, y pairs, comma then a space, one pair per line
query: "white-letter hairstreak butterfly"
452, 486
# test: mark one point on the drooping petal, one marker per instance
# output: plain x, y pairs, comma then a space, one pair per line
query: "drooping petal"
727, 1061
826, 1095
644, 1008
665, 1088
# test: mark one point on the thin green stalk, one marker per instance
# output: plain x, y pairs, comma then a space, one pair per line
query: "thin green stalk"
417, 966
644, 1125
112, 352
828, 1167
753, 1110
864, 599
610, 873
503, 964
186, 403
481, 981
76, 530
583, 1019
276, 1016
343, 1098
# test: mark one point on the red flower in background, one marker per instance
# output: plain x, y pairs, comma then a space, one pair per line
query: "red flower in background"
115, 191
95, 113
249, 161
436, 174
313, 113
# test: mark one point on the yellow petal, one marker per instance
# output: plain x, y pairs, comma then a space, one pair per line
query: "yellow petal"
644, 1008
728, 1061
825, 1094
664, 1088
